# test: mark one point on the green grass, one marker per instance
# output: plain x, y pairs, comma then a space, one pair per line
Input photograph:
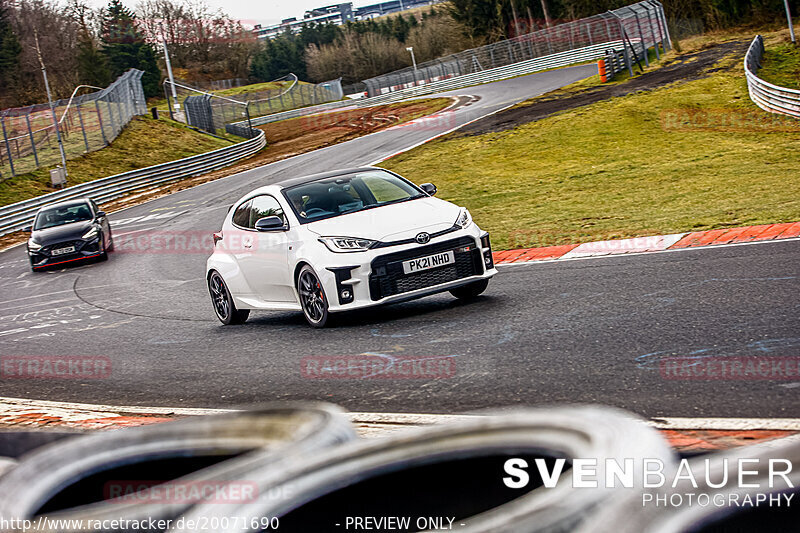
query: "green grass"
781, 65
625, 167
142, 143
255, 87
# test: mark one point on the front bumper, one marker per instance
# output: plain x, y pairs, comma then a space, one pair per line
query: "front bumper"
377, 277
84, 249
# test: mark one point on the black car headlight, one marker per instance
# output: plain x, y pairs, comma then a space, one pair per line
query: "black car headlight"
33, 246
91, 234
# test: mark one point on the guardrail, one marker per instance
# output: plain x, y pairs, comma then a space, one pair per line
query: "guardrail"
769, 97
16, 216
561, 59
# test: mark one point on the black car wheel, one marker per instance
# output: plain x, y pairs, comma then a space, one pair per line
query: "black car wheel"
104, 252
223, 302
468, 292
312, 297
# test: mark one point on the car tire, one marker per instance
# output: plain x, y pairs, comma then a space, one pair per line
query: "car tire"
471, 291
222, 301
104, 253
313, 300
110, 247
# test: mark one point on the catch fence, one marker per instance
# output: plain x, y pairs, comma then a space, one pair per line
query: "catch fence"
221, 114
86, 123
637, 27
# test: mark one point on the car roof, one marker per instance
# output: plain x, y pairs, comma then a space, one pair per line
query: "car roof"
285, 184
66, 203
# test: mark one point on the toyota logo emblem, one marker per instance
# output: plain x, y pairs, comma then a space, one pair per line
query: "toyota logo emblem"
423, 238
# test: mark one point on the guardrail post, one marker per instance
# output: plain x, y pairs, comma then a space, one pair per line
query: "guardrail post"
663, 17
625, 53
641, 36
652, 31
8, 146
30, 136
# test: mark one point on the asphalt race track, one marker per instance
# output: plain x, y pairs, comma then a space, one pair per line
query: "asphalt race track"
588, 330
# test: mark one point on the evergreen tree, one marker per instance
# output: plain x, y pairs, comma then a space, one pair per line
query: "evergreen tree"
10, 50
125, 47
92, 63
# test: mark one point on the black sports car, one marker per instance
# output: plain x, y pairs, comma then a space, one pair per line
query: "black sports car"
69, 231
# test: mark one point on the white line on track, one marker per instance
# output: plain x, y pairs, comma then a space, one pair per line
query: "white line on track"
79, 411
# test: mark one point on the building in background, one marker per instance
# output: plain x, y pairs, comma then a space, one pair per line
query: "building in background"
393, 6
338, 14
334, 14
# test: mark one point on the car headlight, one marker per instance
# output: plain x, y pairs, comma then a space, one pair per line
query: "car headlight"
34, 246
464, 218
91, 234
346, 244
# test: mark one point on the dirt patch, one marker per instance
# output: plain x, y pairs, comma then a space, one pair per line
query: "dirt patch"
684, 68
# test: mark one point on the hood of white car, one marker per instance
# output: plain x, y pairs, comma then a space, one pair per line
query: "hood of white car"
391, 222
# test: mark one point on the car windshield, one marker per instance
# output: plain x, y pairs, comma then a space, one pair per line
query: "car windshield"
340, 195
56, 216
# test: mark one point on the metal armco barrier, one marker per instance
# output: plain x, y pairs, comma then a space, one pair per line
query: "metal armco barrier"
530, 66
114, 475
16, 216
765, 95
643, 21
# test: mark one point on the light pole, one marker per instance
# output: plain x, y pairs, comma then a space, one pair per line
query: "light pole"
169, 69
413, 59
50, 102
789, 19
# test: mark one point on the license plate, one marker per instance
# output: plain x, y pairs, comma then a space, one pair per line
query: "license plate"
428, 262
62, 251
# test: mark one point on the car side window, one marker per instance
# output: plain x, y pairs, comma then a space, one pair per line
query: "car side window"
265, 206
241, 217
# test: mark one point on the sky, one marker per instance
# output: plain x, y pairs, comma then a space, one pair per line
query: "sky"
252, 12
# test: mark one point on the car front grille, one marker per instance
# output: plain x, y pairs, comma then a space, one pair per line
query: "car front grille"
77, 244
387, 277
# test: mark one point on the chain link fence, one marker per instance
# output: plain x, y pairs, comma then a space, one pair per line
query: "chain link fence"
217, 114
86, 123
633, 28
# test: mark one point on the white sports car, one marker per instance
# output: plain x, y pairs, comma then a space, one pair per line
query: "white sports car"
343, 240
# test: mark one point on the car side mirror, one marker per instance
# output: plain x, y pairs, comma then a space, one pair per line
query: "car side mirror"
27, 229
429, 188
271, 223
100, 214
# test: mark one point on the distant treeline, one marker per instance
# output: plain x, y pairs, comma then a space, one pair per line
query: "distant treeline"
81, 45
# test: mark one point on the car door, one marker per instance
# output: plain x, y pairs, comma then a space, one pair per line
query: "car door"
264, 255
